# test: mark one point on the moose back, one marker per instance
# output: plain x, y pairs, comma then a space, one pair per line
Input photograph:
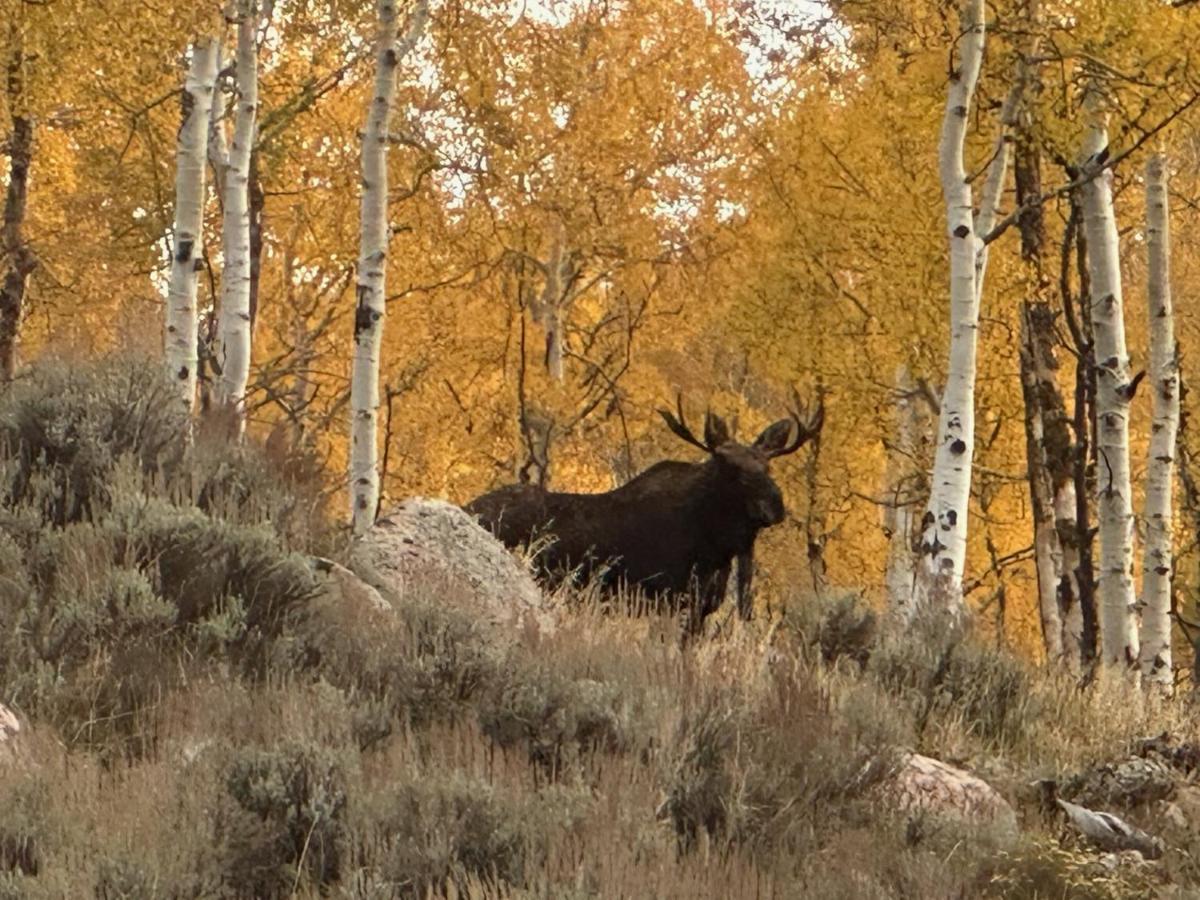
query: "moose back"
671, 533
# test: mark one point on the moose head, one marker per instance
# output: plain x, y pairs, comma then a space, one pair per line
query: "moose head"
745, 483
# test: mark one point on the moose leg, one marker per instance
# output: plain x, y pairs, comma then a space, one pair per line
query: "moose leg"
714, 595
745, 575
706, 595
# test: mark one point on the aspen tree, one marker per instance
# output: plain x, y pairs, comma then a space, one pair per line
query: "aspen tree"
1118, 632
372, 264
233, 325
180, 350
1164, 379
944, 536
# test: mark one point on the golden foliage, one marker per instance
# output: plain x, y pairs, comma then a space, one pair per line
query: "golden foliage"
746, 199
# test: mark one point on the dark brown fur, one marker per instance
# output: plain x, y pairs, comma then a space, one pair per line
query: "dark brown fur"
672, 532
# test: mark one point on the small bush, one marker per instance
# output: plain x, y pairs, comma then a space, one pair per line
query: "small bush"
847, 630
555, 717
1044, 869
100, 616
942, 672
766, 773
424, 664
841, 628
200, 564
65, 427
295, 798
246, 483
22, 827
441, 831
701, 784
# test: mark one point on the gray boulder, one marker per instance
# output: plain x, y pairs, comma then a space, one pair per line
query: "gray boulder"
10, 727
921, 784
345, 590
436, 548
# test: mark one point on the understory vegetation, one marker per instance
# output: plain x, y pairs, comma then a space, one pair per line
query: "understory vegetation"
197, 723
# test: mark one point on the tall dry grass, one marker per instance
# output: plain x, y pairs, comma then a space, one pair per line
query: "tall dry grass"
198, 726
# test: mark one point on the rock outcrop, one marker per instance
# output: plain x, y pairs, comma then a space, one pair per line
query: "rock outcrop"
10, 728
442, 549
346, 590
921, 784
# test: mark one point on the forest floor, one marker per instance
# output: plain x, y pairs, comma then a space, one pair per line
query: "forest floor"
195, 723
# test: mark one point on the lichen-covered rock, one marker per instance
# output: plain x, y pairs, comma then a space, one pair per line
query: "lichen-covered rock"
440, 547
929, 786
10, 727
342, 587
1136, 781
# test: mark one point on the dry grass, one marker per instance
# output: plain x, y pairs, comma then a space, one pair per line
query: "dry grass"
601, 761
197, 728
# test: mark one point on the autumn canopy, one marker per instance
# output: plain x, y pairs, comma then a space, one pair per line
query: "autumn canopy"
589, 206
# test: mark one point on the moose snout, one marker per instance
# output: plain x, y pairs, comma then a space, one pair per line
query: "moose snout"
769, 510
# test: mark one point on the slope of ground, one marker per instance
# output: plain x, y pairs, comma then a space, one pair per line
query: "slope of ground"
199, 720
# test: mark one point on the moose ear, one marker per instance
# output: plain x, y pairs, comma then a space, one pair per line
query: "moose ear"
716, 432
774, 437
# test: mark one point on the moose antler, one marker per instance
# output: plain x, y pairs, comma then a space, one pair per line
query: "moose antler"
679, 428
807, 426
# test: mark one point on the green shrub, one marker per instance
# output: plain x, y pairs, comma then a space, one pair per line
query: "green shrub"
428, 834
65, 427
555, 717
941, 671
294, 797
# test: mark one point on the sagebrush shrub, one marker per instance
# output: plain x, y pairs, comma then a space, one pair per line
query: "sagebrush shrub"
295, 799
945, 671
554, 717
65, 427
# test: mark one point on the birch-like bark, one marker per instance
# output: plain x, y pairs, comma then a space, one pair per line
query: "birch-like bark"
372, 265
993, 185
180, 348
944, 538
233, 325
1070, 595
20, 260
905, 490
1118, 632
1048, 555
1164, 377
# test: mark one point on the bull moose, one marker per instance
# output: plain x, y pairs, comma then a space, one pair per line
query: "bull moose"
672, 532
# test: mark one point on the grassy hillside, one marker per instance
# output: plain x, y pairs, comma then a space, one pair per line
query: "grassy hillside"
197, 723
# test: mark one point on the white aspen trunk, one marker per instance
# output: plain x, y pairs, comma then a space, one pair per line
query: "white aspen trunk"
944, 539
180, 349
218, 146
904, 488
1118, 633
1068, 536
233, 326
993, 185
372, 266
1164, 378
